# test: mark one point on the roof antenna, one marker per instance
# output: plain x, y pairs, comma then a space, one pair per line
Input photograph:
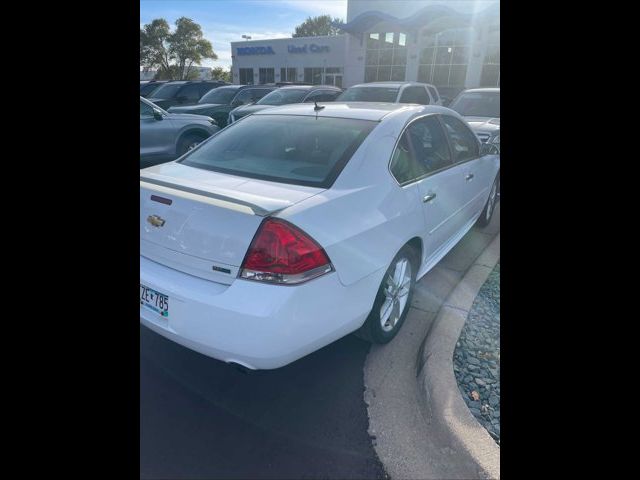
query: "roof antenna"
317, 107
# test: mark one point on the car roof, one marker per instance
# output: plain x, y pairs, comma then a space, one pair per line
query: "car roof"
374, 111
309, 87
387, 84
489, 89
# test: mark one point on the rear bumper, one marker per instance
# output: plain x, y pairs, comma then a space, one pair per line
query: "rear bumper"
259, 326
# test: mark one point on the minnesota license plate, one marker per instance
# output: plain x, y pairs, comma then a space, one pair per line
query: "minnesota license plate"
154, 301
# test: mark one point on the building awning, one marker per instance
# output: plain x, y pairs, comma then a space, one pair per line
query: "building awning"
424, 17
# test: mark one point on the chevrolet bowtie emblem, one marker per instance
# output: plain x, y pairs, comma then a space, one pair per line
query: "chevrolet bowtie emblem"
155, 220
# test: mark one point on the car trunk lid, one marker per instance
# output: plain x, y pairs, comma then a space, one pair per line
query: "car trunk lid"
202, 222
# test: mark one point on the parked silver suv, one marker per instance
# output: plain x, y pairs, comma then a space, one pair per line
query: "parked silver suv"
165, 136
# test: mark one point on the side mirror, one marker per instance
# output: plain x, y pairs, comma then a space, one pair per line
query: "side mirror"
157, 114
489, 149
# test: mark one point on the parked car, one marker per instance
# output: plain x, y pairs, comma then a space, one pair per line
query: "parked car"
481, 109
148, 86
394, 92
219, 102
287, 95
247, 239
447, 94
165, 136
182, 92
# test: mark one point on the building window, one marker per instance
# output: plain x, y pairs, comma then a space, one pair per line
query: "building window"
313, 75
288, 74
323, 76
386, 57
444, 57
491, 64
246, 76
266, 75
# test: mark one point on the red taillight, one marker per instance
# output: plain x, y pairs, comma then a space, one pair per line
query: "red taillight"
282, 253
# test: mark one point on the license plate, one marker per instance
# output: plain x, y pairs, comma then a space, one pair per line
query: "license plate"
154, 300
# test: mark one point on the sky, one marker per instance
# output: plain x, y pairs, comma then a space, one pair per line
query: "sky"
225, 21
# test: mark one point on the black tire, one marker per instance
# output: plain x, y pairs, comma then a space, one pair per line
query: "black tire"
372, 330
487, 212
189, 141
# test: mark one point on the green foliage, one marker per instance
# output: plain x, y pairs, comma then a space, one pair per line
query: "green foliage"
220, 73
322, 25
174, 53
174, 73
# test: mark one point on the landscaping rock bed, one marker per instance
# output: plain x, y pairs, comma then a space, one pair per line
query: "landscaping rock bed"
476, 359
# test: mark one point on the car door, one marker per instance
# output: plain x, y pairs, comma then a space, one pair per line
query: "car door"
157, 137
472, 170
422, 160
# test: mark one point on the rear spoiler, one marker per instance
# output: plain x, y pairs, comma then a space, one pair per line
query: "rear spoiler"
239, 201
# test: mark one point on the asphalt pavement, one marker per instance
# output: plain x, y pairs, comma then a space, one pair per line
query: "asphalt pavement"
201, 418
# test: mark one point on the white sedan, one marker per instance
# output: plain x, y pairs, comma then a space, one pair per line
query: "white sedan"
300, 224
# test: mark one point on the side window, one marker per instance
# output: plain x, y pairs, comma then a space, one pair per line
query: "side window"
434, 93
245, 96
204, 88
258, 93
464, 143
422, 149
146, 111
403, 164
415, 94
429, 144
191, 92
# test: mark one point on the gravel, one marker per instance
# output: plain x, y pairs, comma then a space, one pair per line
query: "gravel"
476, 359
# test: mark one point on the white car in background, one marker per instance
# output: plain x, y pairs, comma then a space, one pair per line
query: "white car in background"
394, 92
298, 225
480, 107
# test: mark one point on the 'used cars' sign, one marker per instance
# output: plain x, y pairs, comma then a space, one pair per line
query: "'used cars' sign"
313, 48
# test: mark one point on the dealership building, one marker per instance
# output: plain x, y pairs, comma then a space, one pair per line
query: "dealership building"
447, 43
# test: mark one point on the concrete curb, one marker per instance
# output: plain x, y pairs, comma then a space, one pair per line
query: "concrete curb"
442, 402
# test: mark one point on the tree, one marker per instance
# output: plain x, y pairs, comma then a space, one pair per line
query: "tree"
220, 73
173, 73
318, 26
174, 54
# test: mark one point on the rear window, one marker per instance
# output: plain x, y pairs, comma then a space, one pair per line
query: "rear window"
369, 94
283, 97
168, 90
477, 104
219, 95
299, 150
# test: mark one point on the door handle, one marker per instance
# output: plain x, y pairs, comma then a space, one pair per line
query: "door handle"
429, 197
468, 177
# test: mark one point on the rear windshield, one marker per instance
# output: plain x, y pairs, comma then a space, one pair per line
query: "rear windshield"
369, 94
219, 95
168, 90
283, 97
292, 149
147, 88
477, 104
